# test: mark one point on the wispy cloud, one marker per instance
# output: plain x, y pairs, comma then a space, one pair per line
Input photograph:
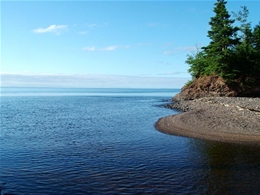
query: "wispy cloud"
171, 73
109, 48
112, 48
83, 32
95, 25
89, 48
89, 80
56, 29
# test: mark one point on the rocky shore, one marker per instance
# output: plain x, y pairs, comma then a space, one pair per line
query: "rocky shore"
225, 119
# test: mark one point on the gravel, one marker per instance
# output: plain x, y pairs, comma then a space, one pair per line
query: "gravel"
231, 119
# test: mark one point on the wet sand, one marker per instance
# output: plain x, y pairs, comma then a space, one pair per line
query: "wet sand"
223, 119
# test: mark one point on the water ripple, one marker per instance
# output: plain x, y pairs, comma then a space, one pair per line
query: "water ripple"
108, 145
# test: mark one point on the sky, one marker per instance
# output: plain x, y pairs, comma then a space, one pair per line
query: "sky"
124, 44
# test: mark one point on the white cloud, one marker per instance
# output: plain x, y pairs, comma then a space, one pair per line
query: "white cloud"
112, 48
57, 29
83, 32
89, 80
95, 25
90, 48
171, 73
91, 25
109, 48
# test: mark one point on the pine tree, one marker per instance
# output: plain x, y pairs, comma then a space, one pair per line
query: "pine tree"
223, 40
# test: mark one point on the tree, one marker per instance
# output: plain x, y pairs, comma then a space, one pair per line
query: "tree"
233, 52
197, 63
244, 55
247, 53
245, 27
256, 38
223, 40
256, 47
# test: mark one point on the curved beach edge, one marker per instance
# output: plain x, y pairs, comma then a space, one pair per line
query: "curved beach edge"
214, 122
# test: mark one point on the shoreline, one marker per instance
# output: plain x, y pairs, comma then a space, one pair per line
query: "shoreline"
222, 119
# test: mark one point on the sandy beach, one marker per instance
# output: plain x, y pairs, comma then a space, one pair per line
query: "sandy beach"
224, 119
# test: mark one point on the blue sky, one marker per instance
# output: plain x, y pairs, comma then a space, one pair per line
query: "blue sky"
104, 43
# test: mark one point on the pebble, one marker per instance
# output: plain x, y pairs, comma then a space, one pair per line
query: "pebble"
244, 113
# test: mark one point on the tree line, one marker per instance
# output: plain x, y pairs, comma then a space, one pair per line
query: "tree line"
234, 50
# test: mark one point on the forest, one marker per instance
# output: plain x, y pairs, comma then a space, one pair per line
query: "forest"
233, 52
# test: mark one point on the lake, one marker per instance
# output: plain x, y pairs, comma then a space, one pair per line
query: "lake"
103, 141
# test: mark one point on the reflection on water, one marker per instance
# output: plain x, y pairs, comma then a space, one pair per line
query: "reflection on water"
228, 168
107, 144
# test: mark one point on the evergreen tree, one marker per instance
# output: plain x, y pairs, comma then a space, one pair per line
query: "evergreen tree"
223, 40
233, 52
256, 39
244, 55
247, 53
245, 27
198, 64
256, 47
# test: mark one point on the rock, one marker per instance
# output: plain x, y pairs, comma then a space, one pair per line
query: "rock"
225, 119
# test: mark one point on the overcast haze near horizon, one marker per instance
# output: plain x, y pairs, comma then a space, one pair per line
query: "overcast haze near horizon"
104, 43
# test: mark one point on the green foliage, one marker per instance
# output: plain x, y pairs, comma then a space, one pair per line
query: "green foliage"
233, 52
189, 83
197, 63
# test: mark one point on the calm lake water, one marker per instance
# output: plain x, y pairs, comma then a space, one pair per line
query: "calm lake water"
103, 141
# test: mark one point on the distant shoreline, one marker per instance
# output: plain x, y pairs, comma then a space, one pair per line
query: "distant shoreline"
223, 119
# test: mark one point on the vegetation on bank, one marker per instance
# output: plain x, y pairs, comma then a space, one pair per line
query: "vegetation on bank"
233, 52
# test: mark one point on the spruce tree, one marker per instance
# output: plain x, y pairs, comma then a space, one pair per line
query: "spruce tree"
233, 52
198, 64
247, 53
223, 40
244, 55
